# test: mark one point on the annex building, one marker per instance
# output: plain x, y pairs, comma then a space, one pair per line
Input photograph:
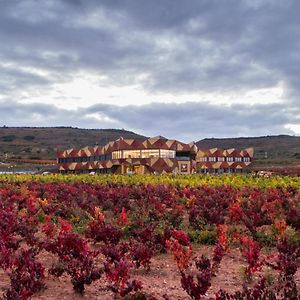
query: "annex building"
152, 155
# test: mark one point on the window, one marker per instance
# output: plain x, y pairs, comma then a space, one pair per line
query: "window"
212, 159
203, 158
167, 153
221, 158
183, 168
104, 156
145, 153
238, 159
149, 153
131, 153
230, 159
246, 159
116, 154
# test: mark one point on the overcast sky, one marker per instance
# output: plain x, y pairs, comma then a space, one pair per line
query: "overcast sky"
185, 69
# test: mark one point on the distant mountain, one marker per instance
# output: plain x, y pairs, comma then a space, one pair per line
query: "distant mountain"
41, 142
268, 150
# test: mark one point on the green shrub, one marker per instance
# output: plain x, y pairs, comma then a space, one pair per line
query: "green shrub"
266, 239
207, 236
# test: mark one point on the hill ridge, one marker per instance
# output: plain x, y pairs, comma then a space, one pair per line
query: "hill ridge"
41, 143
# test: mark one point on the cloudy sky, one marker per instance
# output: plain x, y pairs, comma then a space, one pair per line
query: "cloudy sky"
185, 69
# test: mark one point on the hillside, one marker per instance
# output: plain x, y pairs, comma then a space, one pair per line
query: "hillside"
40, 143
268, 150
37, 143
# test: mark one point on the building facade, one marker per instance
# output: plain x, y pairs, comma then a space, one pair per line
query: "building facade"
153, 155
218, 160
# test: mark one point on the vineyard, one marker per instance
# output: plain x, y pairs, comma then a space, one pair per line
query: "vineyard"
149, 237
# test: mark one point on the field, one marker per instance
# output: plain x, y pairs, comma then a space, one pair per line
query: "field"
149, 237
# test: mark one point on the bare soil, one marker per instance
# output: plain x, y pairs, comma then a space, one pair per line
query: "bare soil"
163, 278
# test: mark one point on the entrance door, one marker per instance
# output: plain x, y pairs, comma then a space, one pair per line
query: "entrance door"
137, 169
134, 169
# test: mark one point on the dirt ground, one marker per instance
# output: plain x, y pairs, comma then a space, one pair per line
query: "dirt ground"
163, 278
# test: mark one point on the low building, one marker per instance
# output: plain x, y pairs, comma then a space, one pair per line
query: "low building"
125, 156
153, 155
217, 160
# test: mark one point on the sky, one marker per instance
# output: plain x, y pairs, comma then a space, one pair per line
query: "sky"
184, 69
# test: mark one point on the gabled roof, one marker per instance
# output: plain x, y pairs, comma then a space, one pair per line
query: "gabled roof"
225, 152
157, 142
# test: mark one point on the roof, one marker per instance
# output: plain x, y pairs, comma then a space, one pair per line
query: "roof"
216, 152
157, 142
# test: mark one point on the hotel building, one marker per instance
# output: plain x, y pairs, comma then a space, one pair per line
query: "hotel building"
153, 155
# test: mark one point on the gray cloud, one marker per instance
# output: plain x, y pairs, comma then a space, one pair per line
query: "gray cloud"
188, 121
198, 45
191, 121
171, 46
